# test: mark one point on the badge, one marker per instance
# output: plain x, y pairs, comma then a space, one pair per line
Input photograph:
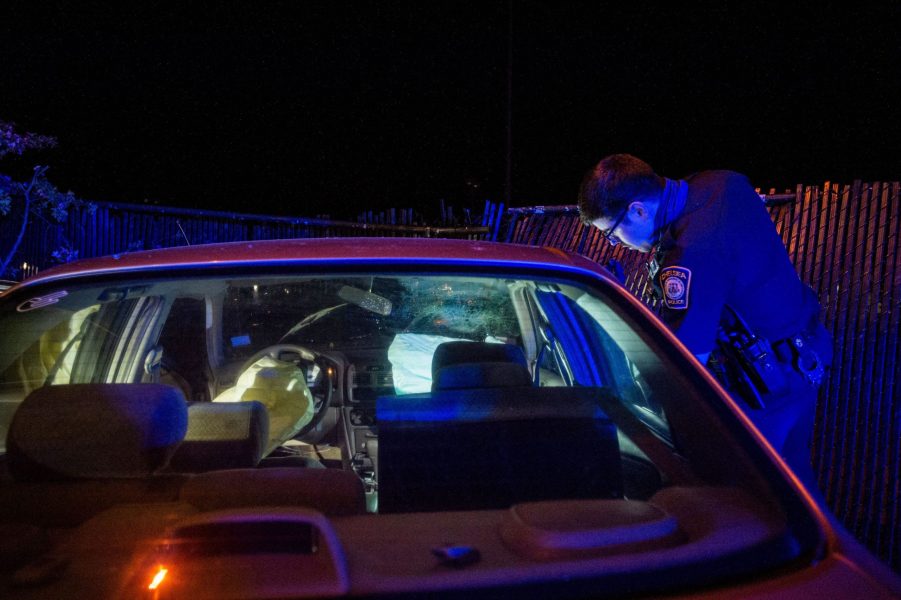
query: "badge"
675, 282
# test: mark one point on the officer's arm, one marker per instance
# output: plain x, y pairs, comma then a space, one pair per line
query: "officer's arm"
695, 279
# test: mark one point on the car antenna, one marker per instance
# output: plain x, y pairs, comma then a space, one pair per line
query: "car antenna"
183, 234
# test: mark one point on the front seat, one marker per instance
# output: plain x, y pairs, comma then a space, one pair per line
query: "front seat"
468, 365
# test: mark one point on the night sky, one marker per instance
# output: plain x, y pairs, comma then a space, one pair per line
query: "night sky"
306, 108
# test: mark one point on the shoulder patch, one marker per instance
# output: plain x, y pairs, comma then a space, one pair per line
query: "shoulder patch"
676, 282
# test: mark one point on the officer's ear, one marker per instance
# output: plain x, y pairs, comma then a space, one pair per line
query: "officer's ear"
640, 210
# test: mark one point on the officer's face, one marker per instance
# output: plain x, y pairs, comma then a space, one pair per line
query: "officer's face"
633, 229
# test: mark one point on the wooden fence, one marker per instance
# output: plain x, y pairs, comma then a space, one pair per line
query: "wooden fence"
106, 228
844, 241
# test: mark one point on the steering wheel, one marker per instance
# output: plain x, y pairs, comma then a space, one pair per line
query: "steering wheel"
321, 390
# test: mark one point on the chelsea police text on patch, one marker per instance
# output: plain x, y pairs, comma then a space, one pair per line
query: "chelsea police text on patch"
675, 282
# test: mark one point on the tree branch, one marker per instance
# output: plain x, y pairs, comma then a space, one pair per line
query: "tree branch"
38, 173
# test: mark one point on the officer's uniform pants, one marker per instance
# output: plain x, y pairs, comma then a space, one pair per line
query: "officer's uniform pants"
787, 423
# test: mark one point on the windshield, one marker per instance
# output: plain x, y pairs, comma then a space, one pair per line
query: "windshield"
432, 392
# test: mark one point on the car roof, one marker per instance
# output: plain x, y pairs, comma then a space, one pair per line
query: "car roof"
359, 250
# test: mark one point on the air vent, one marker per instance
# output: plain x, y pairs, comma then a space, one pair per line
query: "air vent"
372, 376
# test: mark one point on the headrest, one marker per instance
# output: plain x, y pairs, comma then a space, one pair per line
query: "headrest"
453, 353
95, 430
222, 435
488, 445
481, 375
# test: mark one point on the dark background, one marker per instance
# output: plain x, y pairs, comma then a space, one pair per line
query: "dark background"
307, 108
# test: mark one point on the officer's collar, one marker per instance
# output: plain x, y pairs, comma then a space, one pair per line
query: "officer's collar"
672, 202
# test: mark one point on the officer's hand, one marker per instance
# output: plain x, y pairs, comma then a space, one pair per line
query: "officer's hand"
616, 268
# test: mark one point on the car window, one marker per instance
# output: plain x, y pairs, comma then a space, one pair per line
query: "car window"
94, 344
377, 337
614, 367
434, 392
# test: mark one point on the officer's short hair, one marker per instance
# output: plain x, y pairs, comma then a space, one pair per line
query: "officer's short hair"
615, 182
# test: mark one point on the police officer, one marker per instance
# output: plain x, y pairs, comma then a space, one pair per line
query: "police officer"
725, 282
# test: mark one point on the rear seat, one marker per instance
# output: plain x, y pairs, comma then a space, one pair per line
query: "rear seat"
222, 435
76, 450
485, 448
333, 492
230, 435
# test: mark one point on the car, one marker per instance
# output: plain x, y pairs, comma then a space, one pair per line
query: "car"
382, 417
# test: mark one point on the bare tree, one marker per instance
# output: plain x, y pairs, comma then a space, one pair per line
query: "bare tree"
36, 198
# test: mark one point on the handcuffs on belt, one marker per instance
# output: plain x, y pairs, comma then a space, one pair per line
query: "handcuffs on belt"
806, 361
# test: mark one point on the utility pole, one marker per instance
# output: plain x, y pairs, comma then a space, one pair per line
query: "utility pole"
508, 178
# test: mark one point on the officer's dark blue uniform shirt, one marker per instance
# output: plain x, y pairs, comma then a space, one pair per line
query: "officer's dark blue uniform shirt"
723, 249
